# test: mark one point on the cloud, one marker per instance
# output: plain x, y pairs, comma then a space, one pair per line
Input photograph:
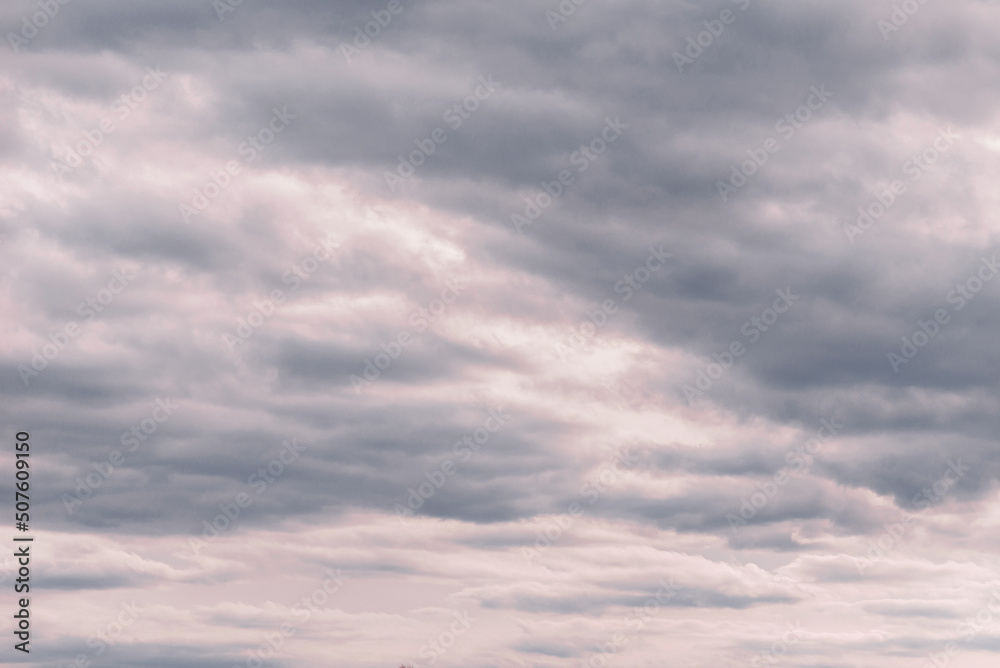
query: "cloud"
310, 298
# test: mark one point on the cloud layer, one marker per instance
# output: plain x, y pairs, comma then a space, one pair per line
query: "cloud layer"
477, 334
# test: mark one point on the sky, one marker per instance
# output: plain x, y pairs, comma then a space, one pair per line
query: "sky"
503, 335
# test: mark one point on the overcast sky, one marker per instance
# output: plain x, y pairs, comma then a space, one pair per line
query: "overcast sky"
504, 334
